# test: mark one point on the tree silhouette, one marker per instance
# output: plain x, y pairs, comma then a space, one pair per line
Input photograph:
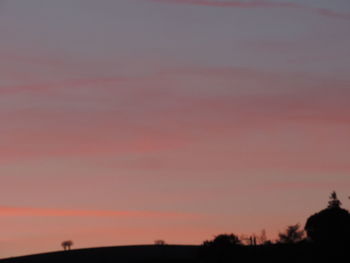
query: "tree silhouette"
293, 234
159, 242
221, 248
223, 240
262, 238
67, 245
334, 201
331, 225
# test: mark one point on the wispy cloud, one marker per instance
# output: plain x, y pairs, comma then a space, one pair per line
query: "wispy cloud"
222, 3
6, 211
246, 100
259, 4
69, 83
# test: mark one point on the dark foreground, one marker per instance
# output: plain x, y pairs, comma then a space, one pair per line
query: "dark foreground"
300, 253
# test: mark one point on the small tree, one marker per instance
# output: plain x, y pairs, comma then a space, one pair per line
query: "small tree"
334, 202
293, 234
67, 245
159, 242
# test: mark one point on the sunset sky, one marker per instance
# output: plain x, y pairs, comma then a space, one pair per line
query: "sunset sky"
127, 121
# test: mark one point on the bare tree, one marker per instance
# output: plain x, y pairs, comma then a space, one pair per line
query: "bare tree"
67, 245
293, 234
263, 237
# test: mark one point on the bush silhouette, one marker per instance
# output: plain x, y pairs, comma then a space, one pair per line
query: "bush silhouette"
331, 225
223, 240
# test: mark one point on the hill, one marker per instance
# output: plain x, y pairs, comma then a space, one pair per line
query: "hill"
129, 254
290, 253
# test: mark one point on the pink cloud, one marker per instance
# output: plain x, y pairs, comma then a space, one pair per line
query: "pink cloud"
259, 4
42, 87
43, 212
161, 113
304, 185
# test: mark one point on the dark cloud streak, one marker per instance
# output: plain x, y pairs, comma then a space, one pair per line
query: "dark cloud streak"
259, 4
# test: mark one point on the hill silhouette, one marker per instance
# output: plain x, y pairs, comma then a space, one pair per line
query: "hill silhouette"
288, 253
132, 254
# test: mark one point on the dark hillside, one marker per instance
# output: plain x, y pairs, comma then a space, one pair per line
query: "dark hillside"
128, 254
290, 253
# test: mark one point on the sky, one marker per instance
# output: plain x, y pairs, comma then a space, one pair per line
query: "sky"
127, 121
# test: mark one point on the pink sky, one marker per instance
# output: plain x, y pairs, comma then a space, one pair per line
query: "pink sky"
135, 120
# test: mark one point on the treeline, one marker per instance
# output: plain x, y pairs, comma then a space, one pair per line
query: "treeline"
326, 236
